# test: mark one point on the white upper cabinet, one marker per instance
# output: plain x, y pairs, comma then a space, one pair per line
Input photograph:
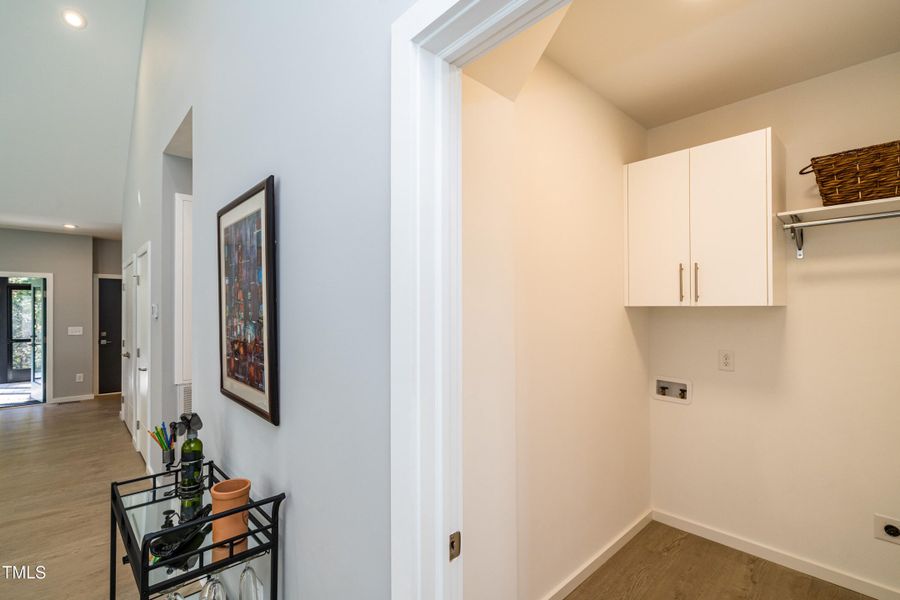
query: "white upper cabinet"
658, 231
702, 228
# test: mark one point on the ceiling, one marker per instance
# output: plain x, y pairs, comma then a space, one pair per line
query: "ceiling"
66, 103
663, 60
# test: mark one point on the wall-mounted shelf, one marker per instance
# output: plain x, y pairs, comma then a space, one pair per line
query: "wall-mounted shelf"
796, 221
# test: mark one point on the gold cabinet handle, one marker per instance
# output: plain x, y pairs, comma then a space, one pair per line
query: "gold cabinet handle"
681, 282
696, 282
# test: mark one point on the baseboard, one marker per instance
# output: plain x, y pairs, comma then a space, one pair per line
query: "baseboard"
70, 399
588, 568
785, 559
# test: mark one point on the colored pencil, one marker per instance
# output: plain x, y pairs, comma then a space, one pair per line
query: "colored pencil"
155, 439
166, 435
162, 441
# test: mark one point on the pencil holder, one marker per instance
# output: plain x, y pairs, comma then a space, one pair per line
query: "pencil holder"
168, 457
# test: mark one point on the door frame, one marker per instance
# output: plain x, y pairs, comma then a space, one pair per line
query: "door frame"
129, 330
143, 442
430, 43
49, 333
96, 328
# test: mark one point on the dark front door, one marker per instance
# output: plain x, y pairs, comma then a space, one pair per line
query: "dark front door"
110, 321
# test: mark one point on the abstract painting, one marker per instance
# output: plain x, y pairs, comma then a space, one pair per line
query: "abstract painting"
247, 307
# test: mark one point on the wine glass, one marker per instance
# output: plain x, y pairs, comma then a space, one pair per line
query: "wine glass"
251, 586
213, 590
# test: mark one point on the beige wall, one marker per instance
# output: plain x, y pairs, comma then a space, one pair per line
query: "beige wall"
555, 416
69, 259
798, 447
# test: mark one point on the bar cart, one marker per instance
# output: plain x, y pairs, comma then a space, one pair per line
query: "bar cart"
138, 509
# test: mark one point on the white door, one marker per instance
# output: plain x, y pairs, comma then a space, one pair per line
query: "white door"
728, 212
128, 364
142, 351
658, 220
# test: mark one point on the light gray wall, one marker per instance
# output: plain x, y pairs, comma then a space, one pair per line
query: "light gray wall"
300, 90
177, 177
69, 259
107, 256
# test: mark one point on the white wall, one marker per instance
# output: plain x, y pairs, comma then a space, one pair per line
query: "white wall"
69, 258
554, 366
299, 90
798, 447
489, 235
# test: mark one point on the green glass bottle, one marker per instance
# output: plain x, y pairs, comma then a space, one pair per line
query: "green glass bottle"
191, 489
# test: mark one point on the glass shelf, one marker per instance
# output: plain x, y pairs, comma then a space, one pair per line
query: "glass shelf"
137, 513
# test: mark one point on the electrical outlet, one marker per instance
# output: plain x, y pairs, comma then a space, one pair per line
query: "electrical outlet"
887, 529
726, 360
79, 377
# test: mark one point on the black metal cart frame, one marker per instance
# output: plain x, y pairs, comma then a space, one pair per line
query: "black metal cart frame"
263, 526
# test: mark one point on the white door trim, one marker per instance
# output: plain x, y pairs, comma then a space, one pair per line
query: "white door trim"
130, 329
182, 324
49, 334
143, 442
430, 43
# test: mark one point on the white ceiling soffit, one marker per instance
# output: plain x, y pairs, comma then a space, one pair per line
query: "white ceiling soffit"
66, 103
663, 60
506, 68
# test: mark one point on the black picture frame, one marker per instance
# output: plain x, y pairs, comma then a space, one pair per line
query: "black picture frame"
263, 196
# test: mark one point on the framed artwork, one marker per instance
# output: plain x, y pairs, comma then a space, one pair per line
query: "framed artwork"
248, 311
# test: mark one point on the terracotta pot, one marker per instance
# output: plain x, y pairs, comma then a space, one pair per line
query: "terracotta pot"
226, 495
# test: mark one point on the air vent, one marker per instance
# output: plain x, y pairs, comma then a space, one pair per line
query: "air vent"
184, 399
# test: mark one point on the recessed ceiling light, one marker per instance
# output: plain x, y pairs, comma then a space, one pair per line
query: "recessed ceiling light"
74, 19
70, 226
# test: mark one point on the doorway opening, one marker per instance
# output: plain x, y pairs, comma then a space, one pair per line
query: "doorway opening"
108, 291
24, 333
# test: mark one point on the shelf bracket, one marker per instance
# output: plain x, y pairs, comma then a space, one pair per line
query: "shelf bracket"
797, 236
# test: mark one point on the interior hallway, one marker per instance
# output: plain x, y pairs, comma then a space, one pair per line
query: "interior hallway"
59, 460
663, 563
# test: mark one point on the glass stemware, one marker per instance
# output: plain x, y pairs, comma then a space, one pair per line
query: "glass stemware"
251, 586
213, 590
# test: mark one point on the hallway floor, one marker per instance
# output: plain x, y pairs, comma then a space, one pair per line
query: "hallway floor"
663, 563
58, 461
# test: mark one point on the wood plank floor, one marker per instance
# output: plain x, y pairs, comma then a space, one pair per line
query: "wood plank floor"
662, 563
56, 464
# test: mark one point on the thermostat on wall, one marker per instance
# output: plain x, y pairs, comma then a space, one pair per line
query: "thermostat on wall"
672, 389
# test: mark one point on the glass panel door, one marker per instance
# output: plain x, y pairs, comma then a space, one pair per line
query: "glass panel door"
21, 333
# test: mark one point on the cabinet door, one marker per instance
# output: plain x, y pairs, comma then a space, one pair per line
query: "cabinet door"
658, 239
728, 211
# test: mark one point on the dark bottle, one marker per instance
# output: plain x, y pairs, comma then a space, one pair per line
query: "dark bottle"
191, 486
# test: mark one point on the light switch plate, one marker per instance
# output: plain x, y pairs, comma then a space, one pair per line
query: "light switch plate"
76, 330
79, 377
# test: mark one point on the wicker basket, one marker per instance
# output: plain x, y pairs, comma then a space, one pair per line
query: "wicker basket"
856, 175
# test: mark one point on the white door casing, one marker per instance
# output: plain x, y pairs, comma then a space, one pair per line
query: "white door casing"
141, 356
128, 352
430, 43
